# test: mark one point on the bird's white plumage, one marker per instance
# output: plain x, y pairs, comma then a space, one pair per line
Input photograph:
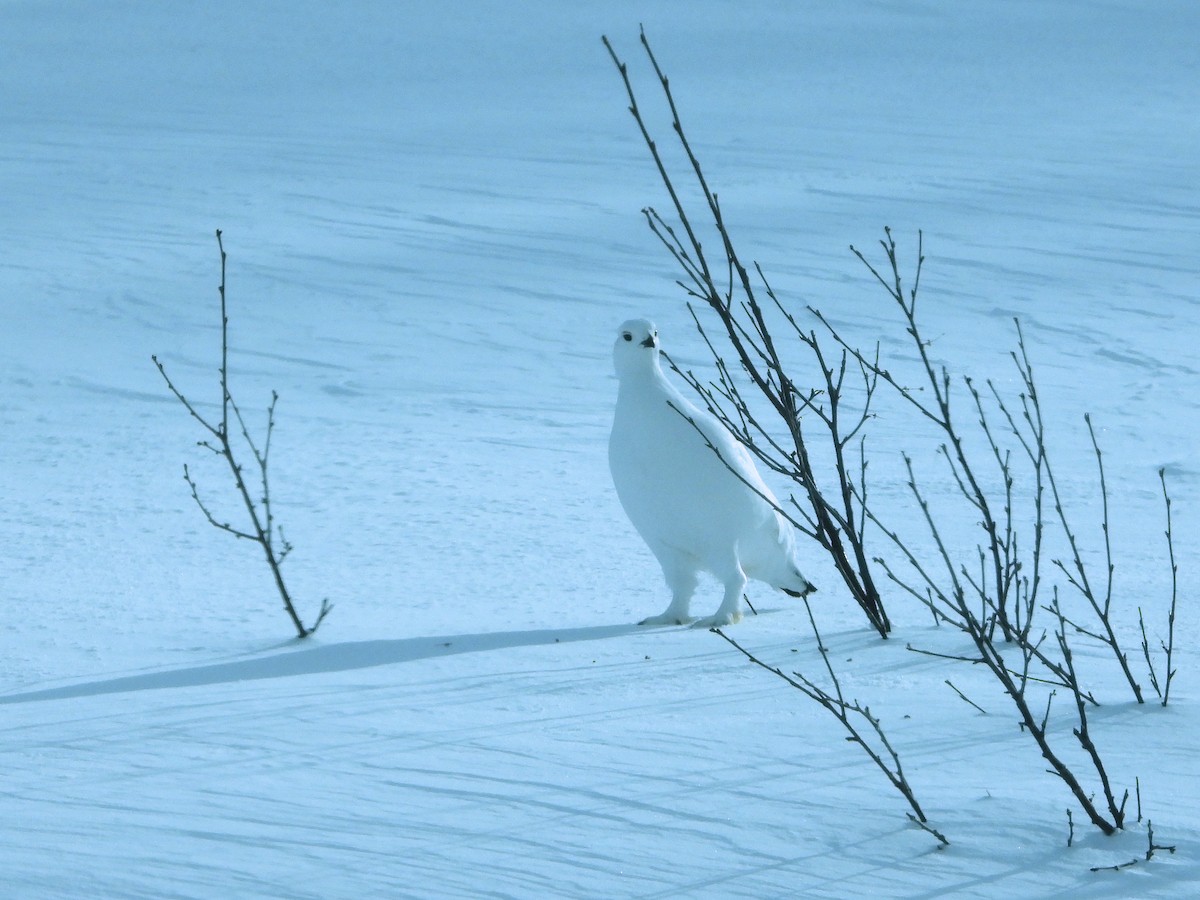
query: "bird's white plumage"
683, 498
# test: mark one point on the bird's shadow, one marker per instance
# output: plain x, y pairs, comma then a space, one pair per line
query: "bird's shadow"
307, 659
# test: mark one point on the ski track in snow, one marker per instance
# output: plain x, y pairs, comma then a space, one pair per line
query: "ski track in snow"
432, 230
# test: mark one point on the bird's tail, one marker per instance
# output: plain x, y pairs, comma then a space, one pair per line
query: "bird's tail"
780, 569
808, 589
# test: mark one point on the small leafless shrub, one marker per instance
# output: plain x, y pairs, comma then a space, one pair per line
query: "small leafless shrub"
261, 528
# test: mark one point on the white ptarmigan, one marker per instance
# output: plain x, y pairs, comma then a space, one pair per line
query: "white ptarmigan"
690, 508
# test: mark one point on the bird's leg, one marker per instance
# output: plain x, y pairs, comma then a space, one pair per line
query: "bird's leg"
730, 610
682, 581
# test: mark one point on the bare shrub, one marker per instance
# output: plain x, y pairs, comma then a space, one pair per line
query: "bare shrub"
829, 508
261, 528
997, 599
999, 593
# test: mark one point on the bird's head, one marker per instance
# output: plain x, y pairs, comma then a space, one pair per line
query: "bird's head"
636, 347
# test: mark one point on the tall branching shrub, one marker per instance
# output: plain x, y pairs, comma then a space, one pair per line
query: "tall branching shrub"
827, 509
1000, 594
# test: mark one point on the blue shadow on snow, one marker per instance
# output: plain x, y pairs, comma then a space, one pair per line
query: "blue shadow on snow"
312, 660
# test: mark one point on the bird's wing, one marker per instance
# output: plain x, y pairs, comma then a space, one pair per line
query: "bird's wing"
733, 452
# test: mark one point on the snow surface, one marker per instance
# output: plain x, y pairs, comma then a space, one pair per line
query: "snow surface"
433, 224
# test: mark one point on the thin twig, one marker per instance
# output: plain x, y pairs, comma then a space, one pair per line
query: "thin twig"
263, 527
848, 713
965, 698
1169, 646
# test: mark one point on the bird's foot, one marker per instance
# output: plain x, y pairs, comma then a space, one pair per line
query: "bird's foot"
719, 620
667, 618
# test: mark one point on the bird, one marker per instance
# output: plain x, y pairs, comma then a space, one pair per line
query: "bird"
691, 489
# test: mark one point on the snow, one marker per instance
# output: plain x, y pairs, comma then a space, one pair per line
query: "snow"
433, 227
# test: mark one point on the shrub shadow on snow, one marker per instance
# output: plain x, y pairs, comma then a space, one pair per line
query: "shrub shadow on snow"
312, 660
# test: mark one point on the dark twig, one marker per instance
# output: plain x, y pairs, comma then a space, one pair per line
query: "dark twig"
1077, 575
1151, 849
1117, 868
262, 528
965, 698
1169, 645
850, 713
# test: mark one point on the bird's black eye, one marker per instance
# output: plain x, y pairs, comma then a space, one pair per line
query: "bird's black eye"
627, 336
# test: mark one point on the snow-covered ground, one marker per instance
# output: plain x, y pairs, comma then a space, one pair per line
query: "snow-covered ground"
432, 216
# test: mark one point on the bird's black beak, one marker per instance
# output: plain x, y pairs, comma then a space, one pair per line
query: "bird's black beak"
648, 342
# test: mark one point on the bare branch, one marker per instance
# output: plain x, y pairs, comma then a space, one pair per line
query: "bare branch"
831, 516
849, 714
259, 512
